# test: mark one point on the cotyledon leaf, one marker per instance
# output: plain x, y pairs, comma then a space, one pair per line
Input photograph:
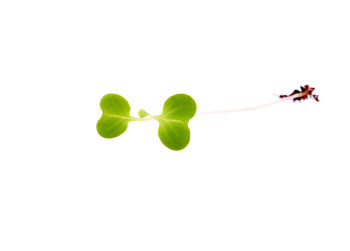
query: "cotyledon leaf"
173, 122
116, 116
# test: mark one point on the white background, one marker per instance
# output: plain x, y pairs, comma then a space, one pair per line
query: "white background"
271, 179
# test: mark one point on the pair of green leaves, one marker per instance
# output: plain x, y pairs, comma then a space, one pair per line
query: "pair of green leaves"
173, 122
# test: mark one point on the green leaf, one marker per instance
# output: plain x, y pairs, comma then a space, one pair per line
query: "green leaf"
116, 116
173, 122
143, 113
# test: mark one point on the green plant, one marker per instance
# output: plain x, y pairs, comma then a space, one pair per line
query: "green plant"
173, 121
173, 130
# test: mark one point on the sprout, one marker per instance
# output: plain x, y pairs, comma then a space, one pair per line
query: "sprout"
173, 129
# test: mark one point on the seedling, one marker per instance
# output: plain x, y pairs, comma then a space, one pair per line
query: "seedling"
173, 129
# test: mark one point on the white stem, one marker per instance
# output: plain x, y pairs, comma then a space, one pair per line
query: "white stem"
297, 95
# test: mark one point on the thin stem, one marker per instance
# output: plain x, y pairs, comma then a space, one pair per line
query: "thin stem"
131, 118
297, 95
